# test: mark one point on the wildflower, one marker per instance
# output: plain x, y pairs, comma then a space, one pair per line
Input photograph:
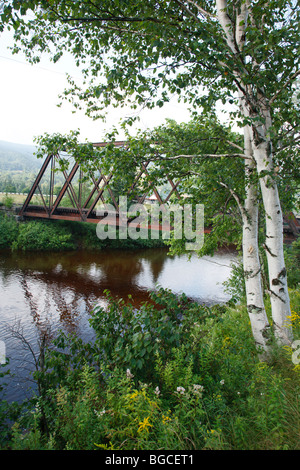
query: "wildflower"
181, 390
222, 382
198, 388
166, 419
157, 391
226, 342
144, 425
99, 413
133, 395
129, 375
143, 385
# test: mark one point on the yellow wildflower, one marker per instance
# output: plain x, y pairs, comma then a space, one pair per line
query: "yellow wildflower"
294, 319
165, 419
144, 425
226, 342
133, 395
297, 368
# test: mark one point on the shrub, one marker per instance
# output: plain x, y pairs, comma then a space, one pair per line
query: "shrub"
8, 201
9, 412
9, 231
42, 236
130, 337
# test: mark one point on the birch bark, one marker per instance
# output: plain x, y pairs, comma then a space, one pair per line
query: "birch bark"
261, 148
278, 288
251, 262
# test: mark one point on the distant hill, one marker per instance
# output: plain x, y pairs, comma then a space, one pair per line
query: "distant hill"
16, 157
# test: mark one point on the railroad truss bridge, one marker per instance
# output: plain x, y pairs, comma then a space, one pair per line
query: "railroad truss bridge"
82, 206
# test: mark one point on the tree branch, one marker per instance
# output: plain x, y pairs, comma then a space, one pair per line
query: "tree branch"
201, 10
236, 197
187, 10
209, 155
111, 18
235, 145
284, 86
226, 22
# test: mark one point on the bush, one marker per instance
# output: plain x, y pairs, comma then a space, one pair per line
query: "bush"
9, 231
60, 235
8, 201
34, 236
132, 338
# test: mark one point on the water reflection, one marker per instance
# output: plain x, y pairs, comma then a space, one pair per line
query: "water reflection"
47, 292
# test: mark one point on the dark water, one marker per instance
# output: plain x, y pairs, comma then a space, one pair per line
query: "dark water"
58, 290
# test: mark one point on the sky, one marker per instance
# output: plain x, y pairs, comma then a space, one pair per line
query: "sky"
29, 95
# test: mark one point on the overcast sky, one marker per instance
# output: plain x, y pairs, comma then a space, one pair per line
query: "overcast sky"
29, 98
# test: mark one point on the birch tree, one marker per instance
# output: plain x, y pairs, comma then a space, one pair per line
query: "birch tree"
221, 182
255, 105
241, 52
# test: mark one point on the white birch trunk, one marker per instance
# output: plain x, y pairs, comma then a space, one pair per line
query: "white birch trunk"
251, 262
278, 287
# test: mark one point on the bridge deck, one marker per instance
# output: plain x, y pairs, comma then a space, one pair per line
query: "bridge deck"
113, 219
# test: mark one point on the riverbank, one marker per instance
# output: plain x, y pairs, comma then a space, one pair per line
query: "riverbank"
60, 236
44, 235
184, 377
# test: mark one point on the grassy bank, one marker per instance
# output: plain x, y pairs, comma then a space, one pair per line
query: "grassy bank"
48, 235
10, 199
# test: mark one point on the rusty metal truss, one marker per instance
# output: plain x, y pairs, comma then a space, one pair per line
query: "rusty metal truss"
83, 207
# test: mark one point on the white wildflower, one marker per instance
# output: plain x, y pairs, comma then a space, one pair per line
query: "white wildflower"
99, 413
143, 385
198, 388
181, 390
129, 374
157, 391
222, 382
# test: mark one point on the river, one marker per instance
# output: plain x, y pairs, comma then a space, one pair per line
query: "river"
58, 290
